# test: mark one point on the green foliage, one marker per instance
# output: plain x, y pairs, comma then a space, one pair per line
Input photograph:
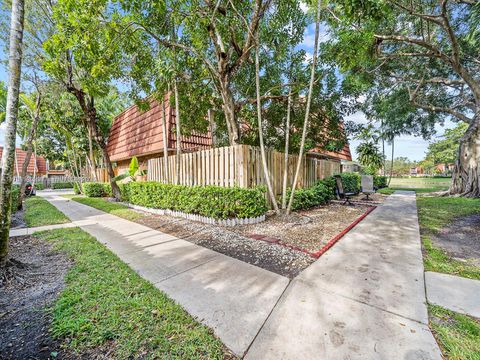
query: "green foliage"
438, 260
379, 181
445, 151
105, 304
96, 189
458, 335
63, 185
319, 194
211, 201
15, 194
370, 156
39, 186
132, 172
77, 188
39, 212
110, 207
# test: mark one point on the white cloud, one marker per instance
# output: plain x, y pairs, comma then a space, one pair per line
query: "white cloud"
303, 6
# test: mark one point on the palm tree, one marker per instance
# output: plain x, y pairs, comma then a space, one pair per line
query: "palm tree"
8, 157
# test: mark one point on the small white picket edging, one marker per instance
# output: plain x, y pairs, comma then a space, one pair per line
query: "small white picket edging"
199, 218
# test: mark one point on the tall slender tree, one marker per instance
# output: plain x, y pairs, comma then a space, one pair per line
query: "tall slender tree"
8, 156
309, 100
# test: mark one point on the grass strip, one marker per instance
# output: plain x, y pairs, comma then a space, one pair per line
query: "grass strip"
458, 335
39, 212
106, 305
436, 259
110, 207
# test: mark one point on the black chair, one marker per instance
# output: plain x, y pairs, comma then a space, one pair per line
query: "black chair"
341, 191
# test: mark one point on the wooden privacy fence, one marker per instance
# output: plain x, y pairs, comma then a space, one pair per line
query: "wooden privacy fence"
239, 165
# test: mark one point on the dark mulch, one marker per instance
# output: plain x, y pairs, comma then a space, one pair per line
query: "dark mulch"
17, 221
461, 239
29, 284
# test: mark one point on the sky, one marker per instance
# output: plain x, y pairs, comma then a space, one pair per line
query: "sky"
411, 147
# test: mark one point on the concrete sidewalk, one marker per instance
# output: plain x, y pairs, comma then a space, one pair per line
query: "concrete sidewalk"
454, 293
232, 297
363, 299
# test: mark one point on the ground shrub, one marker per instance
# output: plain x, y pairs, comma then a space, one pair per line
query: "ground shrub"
96, 189
77, 188
211, 201
319, 194
351, 182
39, 186
62, 185
379, 181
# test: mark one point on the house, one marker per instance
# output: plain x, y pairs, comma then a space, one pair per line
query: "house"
37, 164
140, 134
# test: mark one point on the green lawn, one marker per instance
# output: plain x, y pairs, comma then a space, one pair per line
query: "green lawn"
421, 183
106, 305
39, 212
434, 213
119, 210
458, 335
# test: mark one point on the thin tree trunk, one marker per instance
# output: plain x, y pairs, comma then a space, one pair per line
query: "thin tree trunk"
466, 172
92, 123
383, 148
229, 111
211, 123
165, 141
287, 143
178, 132
93, 166
8, 157
29, 145
391, 161
307, 110
266, 173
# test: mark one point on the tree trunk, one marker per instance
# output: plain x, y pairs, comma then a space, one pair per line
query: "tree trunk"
28, 155
211, 124
229, 111
93, 166
165, 141
92, 123
307, 110
178, 133
266, 173
8, 157
466, 172
391, 162
287, 143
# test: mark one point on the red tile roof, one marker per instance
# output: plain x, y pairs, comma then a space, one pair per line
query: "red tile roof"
20, 155
137, 133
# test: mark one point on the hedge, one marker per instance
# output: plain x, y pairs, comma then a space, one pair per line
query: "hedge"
211, 201
352, 182
96, 189
319, 194
39, 186
62, 185
380, 182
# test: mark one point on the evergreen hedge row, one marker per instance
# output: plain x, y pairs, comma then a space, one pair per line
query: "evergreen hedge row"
62, 185
211, 201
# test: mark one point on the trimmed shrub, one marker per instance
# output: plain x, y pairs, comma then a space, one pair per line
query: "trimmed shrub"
211, 201
77, 188
319, 194
62, 185
379, 182
95, 189
39, 186
351, 182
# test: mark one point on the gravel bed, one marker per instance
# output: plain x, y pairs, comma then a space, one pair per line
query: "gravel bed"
309, 230
228, 241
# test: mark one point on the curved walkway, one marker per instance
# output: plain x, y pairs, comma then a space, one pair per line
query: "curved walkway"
363, 299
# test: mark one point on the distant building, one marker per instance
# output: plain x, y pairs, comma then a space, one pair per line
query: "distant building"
37, 164
350, 166
140, 133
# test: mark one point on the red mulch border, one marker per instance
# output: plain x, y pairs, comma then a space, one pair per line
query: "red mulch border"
325, 247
